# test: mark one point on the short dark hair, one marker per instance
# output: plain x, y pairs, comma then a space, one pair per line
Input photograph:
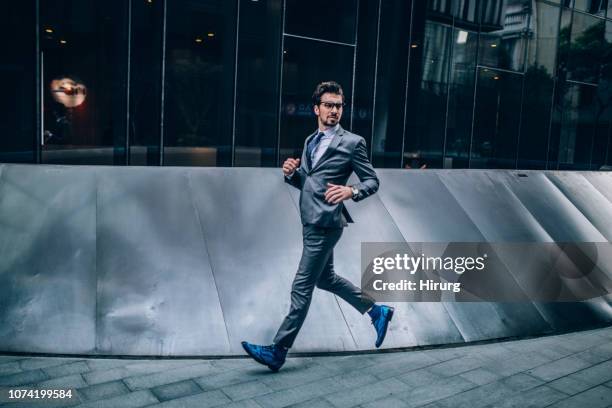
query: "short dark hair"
326, 87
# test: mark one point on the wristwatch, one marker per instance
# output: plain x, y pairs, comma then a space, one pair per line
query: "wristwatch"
355, 192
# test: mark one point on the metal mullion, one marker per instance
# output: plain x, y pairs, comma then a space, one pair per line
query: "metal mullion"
163, 84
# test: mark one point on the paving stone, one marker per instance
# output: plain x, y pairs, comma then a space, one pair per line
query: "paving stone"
541, 396
103, 376
23, 378
67, 382
367, 393
389, 402
401, 364
480, 376
244, 404
130, 400
104, 390
168, 376
446, 389
176, 390
11, 367
354, 379
559, 368
319, 402
105, 364
246, 390
44, 362
474, 397
456, 366
132, 369
521, 382
295, 376
598, 397
297, 394
218, 380
419, 377
569, 385
516, 365
66, 369
596, 374
203, 400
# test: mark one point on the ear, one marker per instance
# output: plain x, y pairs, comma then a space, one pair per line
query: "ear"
316, 109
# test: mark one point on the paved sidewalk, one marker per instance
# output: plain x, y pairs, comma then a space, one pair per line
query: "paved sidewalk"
569, 370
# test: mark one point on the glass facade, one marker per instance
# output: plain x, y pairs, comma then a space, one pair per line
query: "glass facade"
429, 84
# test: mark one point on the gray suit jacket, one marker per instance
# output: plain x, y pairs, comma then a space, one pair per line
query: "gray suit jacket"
345, 154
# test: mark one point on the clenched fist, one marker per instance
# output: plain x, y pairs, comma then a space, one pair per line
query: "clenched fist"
290, 165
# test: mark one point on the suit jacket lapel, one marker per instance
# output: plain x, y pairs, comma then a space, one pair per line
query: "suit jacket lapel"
332, 146
305, 160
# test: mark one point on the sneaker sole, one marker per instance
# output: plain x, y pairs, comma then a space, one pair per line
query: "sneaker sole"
254, 357
391, 310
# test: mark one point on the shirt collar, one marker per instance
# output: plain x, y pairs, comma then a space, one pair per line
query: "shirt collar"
331, 131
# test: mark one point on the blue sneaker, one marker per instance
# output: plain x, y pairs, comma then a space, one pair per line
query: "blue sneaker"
381, 316
272, 356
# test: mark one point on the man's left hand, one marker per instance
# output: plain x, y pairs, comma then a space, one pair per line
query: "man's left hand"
336, 193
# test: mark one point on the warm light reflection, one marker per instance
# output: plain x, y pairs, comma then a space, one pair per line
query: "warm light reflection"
493, 45
211, 34
198, 39
48, 30
62, 41
414, 46
68, 92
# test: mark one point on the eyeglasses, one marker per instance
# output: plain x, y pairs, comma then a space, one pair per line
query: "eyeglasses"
331, 105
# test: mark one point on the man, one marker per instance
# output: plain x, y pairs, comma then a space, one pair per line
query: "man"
330, 155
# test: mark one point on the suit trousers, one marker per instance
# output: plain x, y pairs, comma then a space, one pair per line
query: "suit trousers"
316, 268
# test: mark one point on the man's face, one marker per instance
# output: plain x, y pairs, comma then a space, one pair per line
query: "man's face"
329, 111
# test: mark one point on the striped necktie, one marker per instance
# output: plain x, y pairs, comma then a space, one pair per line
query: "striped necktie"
312, 147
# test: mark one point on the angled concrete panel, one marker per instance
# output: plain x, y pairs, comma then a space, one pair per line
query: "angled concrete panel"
589, 200
47, 262
156, 291
373, 224
253, 233
601, 181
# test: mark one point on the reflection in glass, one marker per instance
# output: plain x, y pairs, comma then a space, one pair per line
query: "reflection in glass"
535, 120
302, 71
145, 82
585, 47
365, 69
461, 99
199, 89
578, 107
427, 97
17, 70
391, 79
324, 19
496, 119
84, 63
503, 45
257, 100
544, 30
68, 91
596, 7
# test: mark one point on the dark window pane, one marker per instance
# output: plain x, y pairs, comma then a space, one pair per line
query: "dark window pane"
199, 89
257, 100
543, 44
84, 44
535, 122
391, 84
577, 129
17, 125
365, 69
496, 119
584, 51
596, 7
461, 99
327, 20
145, 82
502, 45
427, 97
302, 71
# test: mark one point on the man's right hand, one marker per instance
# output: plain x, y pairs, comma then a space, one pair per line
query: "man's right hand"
290, 165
